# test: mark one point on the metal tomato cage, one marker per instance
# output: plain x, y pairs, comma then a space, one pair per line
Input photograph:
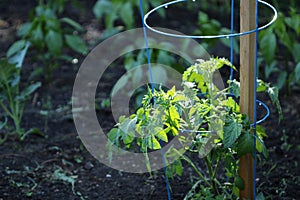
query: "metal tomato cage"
249, 17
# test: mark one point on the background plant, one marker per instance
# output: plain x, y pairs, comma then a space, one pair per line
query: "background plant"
279, 47
48, 34
13, 98
202, 116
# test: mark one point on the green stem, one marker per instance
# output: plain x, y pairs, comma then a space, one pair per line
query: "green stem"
196, 170
211, 174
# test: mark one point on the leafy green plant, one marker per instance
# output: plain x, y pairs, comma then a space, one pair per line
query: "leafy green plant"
208, 26
49, 34
208, 123
279, 47
12, 97
117, 10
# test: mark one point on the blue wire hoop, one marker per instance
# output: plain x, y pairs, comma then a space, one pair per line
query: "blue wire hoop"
206, 36
231, 36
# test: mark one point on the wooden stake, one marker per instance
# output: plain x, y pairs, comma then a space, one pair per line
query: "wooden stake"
247, 64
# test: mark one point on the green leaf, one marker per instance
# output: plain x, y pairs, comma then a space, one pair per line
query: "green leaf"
152, 143
128, 126
268, 46
54, 42
260, 196
297, 72
165, 58
270, 68
27, 91
24, 29
260, 131
260, 147
76, 44
126, 14
102, 7
232, 104
273, 94
113, 134
281, 80
239, 182
37, 36
71, 22
2, 124
261, 86
296, 50
232, 130
161, 134
234, 87
245, 144
19, 57
16, 47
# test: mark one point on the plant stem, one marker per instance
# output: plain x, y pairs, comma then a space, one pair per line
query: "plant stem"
196, 170
211, 174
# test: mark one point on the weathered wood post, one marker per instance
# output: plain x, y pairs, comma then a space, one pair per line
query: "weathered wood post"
247, 64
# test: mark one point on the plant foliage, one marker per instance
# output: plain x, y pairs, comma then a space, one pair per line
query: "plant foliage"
208, 123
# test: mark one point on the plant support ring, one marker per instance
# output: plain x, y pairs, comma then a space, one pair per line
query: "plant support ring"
207, 36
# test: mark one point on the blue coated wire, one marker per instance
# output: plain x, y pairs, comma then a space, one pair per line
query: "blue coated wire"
152, 88
207, 36
147, 47
255, 97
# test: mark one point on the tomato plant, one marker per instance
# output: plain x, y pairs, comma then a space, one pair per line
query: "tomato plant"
208, 122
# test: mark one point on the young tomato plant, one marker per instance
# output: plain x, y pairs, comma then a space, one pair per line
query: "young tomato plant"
12, 98
208, 123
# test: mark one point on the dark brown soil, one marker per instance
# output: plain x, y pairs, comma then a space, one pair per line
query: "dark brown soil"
46, 167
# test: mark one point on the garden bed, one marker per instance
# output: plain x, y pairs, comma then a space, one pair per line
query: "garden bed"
57, 166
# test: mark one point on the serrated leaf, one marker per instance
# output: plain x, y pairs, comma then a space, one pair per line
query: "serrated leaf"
174, 115
161, 134
232, 104
152, 143
260, 131
179, 97
76, 44
232, 130
54, 42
